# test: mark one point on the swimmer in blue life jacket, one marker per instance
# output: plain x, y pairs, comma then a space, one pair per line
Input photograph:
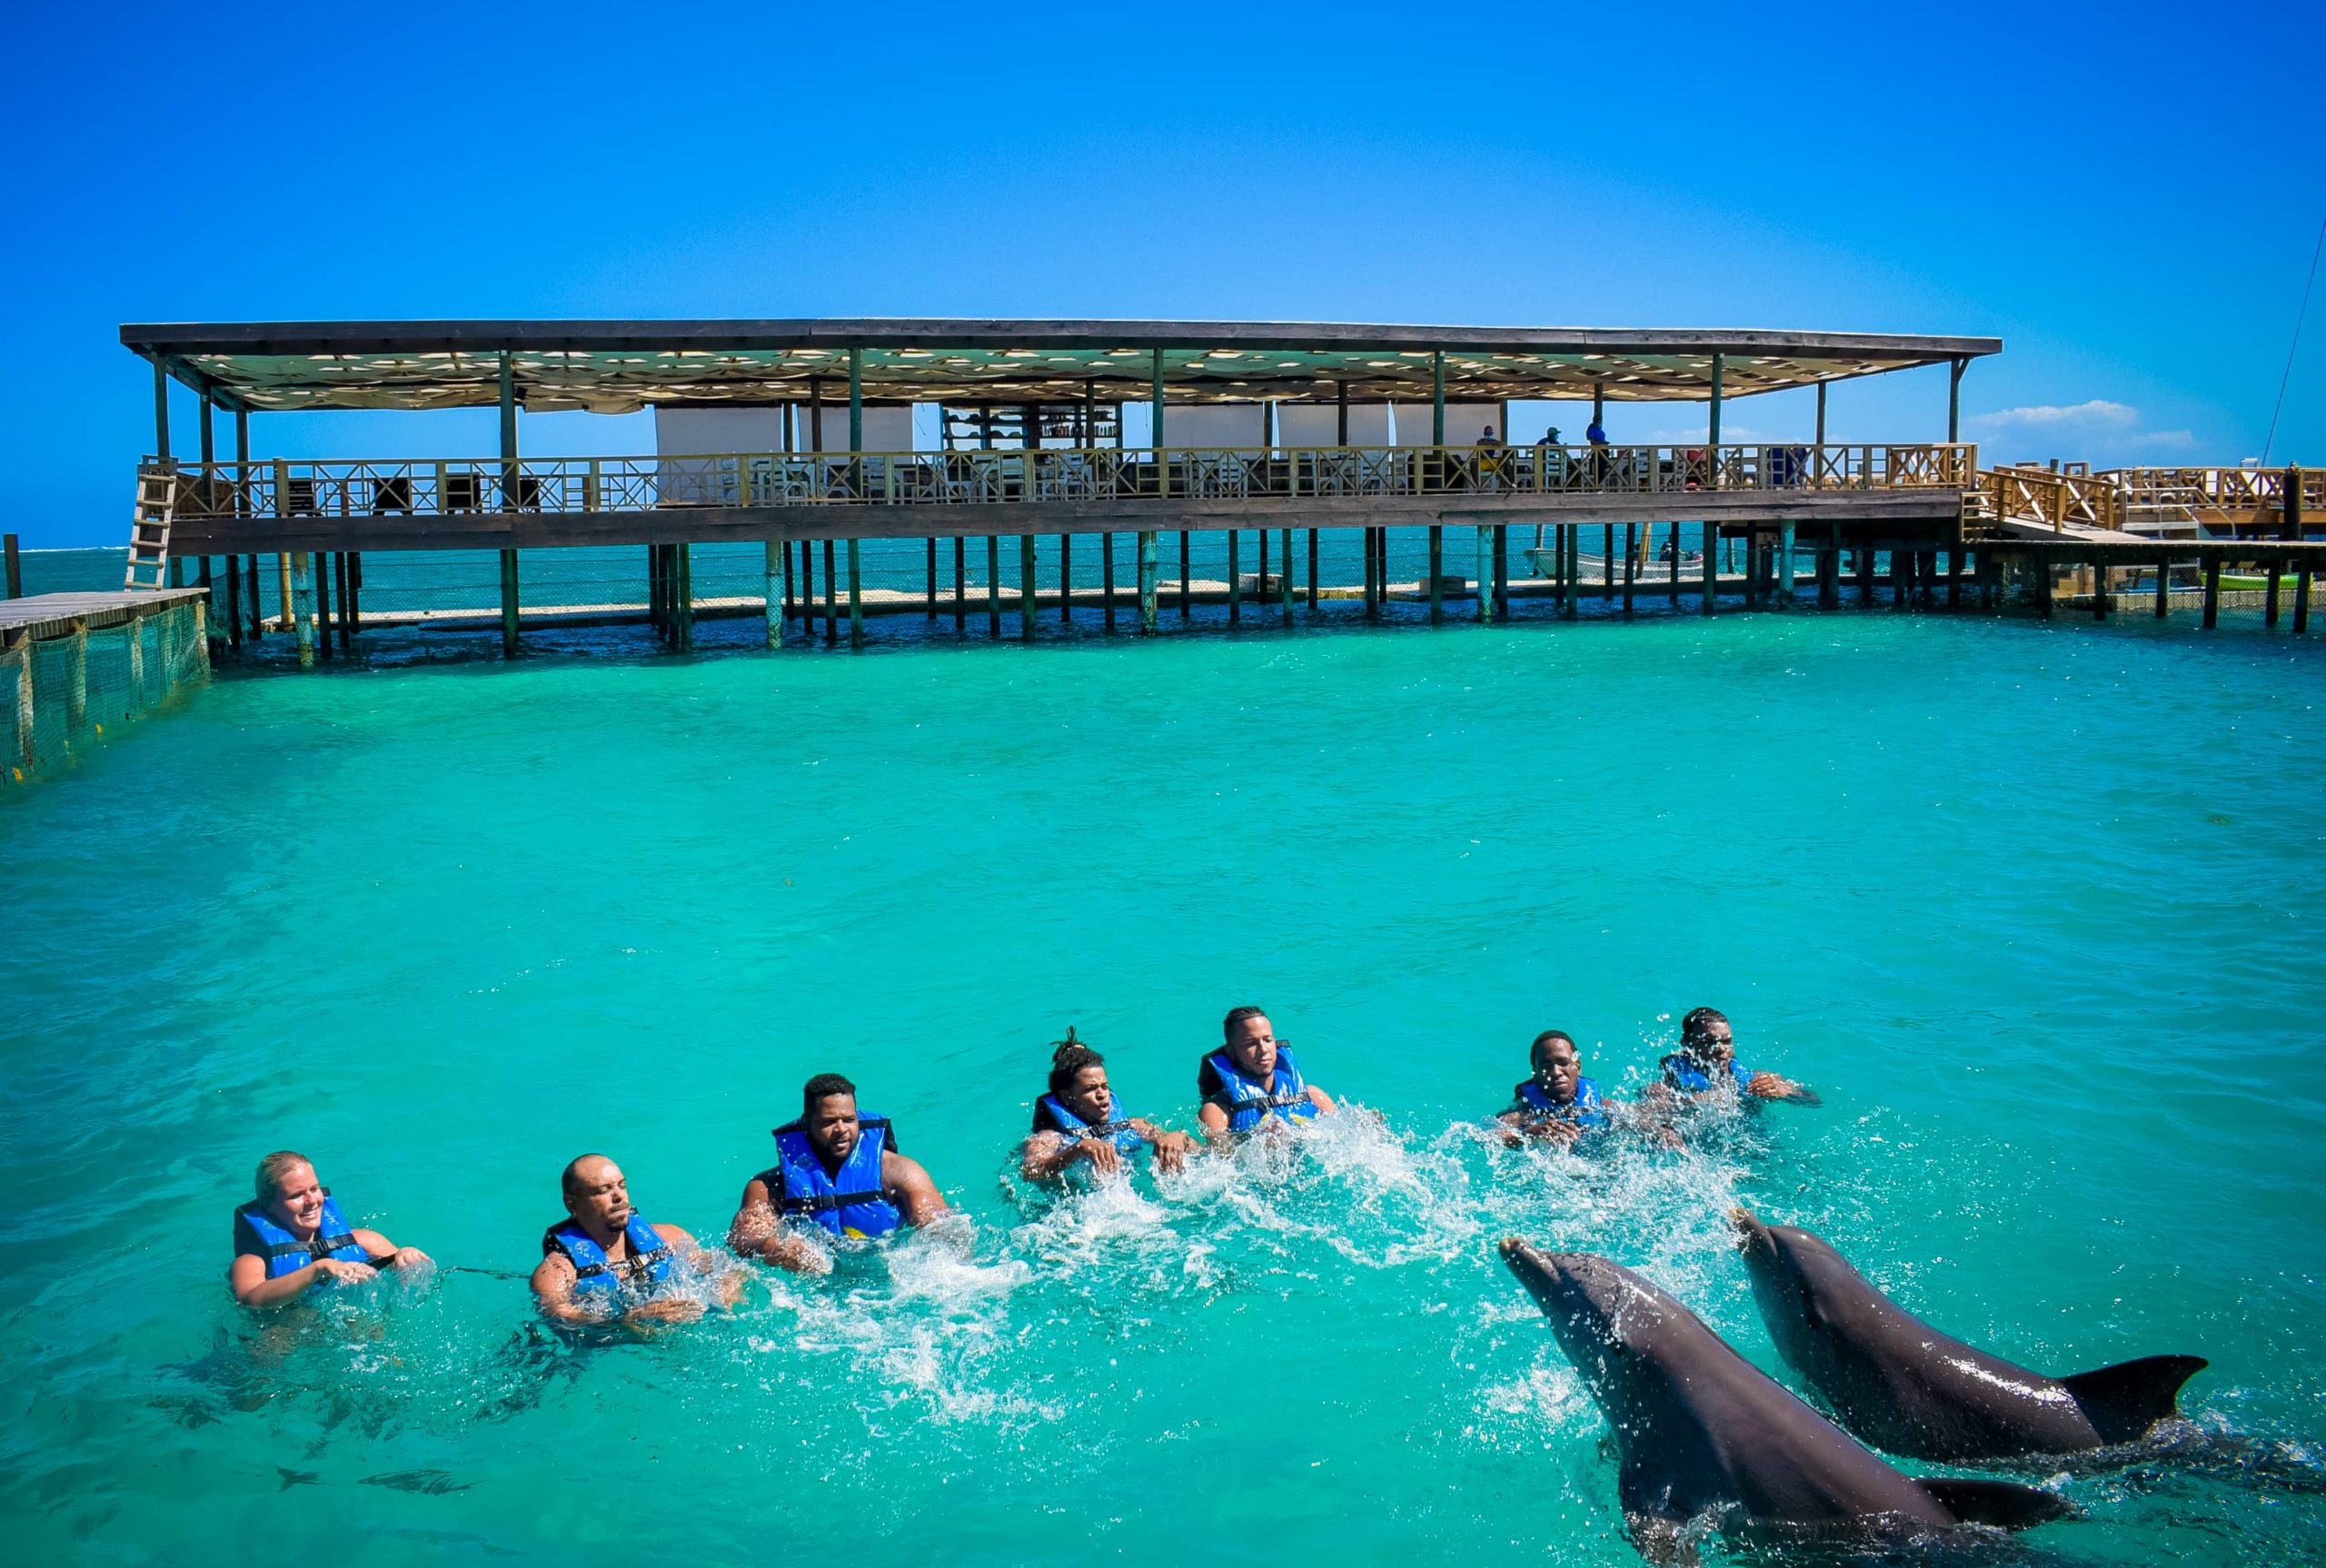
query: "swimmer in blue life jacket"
1706, 1064
1079, 1120
834, 1170
291, 1238
1555, 1102
604, 1256
1252, 1082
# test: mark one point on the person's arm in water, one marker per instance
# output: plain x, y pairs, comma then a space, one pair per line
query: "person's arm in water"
688, 1254
758, 1231
1172, 1149
247, 1279
553, 1284
1771, 1086
1520, 1126
906, 1185
1321, 1100
1047, 1154
381, 1253
726, 1278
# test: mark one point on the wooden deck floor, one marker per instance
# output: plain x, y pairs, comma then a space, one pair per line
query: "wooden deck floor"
46, 615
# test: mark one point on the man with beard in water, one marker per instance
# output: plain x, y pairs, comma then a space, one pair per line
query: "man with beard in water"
1706, 1064
604, 1253
1252, 1082
834, 1169
1081, 1119
291, 1238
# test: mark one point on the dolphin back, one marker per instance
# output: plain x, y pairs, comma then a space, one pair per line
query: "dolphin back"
2123, 1400
2003, 1505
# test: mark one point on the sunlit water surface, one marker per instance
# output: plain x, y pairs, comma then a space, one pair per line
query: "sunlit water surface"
2035, 908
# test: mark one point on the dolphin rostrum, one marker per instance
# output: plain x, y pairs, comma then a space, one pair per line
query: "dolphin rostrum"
1904, 1387
1699, 1428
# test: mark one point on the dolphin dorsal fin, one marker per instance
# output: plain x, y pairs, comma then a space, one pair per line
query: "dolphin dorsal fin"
2005, 1505
2125, 1400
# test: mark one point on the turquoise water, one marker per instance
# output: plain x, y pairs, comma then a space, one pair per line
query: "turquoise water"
2033, 908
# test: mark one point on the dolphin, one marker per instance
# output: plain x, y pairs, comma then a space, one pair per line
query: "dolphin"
1906, 1388
1699, 1428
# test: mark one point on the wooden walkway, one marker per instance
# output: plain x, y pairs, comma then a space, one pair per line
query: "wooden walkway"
46, 615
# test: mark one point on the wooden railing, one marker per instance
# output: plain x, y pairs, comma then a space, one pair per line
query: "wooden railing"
287, 488
2231, 490
2059, 500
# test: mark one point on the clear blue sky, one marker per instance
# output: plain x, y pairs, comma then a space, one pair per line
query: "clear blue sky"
2128, 196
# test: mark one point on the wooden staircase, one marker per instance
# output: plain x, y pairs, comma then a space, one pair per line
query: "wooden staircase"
149, 524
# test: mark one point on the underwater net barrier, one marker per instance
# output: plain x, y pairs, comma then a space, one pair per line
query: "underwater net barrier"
74, 672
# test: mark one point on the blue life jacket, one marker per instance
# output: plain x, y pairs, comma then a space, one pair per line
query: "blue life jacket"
1681, 1073
1051, 1117
285, 1253
1586, 1110
847, 1205
1284, 1096
649, 1263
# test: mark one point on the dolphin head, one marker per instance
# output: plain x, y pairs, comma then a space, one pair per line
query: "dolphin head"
1610, 1322
1803, 1286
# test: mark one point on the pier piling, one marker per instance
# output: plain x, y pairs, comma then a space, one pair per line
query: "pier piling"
301, 606
1027, 587
2213, 592
1147, 542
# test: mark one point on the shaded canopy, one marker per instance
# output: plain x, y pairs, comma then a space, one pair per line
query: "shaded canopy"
619, 367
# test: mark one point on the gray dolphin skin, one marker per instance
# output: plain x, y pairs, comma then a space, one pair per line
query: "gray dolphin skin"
1906, 1388
1698, 1427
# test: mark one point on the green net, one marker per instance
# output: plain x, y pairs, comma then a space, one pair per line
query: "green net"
67, 691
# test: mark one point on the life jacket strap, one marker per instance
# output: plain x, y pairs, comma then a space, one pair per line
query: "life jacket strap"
824, 1203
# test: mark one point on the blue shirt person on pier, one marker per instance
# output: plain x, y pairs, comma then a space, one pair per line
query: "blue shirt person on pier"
837, 1171
1706, 1064
1555, 1102
1252, 1081
1079, 1120
603, 1261
291, 1238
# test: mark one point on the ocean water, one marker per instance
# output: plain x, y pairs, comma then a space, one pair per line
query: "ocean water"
2035, 908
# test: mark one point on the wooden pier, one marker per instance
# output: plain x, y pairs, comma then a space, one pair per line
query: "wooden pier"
145, 643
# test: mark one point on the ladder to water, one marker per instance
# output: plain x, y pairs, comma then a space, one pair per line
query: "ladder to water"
149, 525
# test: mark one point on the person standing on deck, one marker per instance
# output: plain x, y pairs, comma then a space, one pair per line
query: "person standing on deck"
1252, 1081
834, 1169
1706, 1064
1081, 1119
291, 1238
603, 1260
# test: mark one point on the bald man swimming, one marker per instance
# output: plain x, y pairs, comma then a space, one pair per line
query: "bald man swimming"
604, 1261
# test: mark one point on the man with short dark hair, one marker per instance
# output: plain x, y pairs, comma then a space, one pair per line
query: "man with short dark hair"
604, 1261
1252, 1082
834, 1169
1555, 1101
1706, 1063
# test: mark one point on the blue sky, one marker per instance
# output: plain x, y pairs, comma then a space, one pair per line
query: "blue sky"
2129, 196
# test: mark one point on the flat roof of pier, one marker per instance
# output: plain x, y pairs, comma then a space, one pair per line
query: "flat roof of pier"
621, 366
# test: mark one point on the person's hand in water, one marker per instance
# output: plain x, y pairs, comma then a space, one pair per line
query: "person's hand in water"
1171, 1152
665, 1309
338, 1272
1101, 1155
1770, 1086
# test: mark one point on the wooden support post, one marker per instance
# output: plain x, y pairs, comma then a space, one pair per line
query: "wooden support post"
77, 676
258, 613
286, 611
135, 697
2163, 586
1631, 563
1147, 553
1784, 565
160, 415
960, 585
2103, 601
1185, 601
2301, 598
1025, 587
346, 594
1814, 474
20, 653
831, 593
2042, 566
1751, 568
993, 584
1954, 403
857, 589
1284, 581
1437, 538
1107, 577
1902, 580
1438, 399
16, 567
323, 603
1502, 570
1570, 569
1485, 532
1235, 579
1712, 434
1066, 578
508, 603
1607, 562
684, 554
234, 601
1712, 560
302, 606
2270, 598
654, 588
1260, 584
774, 555
932, 578
2213, 592
1865, 573
1312, 569
354, 593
